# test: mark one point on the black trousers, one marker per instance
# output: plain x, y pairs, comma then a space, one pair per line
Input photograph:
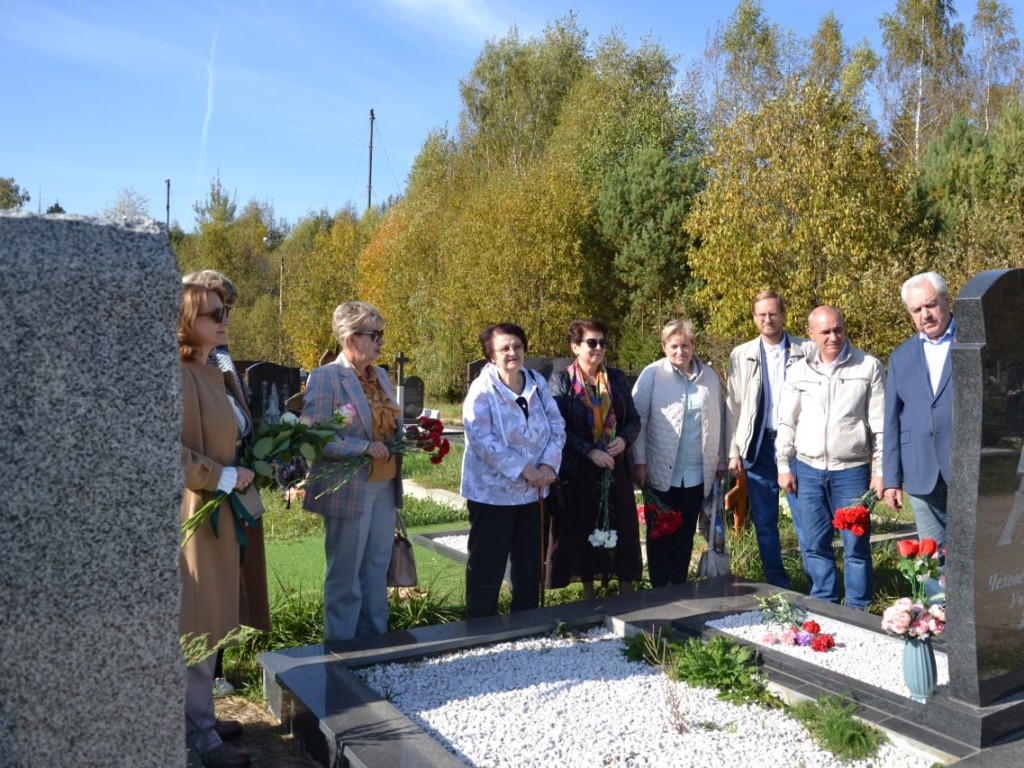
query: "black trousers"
496, 534
668, 558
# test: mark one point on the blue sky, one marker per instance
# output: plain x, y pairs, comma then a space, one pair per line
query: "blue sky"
103, 95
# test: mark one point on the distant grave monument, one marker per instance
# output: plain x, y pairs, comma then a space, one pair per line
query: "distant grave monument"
271, 385
985, 536
413, 397
92, 671
544, 367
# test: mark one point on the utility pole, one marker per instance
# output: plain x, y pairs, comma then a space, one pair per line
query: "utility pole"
168, 183
369, 183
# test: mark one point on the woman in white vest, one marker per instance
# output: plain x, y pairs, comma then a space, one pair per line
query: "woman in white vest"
681, 446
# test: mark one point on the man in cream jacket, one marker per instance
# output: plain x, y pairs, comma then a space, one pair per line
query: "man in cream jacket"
829, 452
757, 371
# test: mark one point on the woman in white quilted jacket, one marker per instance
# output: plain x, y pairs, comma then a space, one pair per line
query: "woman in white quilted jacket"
681, 446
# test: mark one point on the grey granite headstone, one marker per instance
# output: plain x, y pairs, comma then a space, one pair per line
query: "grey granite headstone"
91, 670
985, 541
413, 397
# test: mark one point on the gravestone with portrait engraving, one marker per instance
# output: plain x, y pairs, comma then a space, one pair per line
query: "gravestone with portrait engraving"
413, 397
271, 385
985, 538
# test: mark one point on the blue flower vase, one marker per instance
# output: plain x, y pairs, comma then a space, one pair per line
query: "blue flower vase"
919, 668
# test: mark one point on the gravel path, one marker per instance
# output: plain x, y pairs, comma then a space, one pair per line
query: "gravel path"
578, 702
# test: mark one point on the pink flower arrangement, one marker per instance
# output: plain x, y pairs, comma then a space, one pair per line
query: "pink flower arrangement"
910, 619
807, 636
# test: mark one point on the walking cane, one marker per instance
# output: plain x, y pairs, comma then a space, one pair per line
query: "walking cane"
543, 559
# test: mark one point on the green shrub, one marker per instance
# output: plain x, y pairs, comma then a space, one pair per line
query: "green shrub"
412, 608
722, 664
652, 648
832, 724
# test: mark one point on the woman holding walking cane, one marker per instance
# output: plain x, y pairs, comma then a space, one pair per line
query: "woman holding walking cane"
514, 439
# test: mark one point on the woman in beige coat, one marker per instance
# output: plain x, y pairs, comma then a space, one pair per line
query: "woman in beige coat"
211, 430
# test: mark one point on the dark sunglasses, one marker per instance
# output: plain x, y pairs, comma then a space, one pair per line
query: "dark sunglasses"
375, 336
219, 315
595, 343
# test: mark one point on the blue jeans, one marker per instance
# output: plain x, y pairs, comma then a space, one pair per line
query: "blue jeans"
819, 494
763, 495
930, 513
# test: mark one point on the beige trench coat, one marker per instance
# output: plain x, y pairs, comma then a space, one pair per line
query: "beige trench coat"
211, 587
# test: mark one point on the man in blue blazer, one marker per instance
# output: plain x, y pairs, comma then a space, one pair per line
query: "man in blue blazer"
919, 408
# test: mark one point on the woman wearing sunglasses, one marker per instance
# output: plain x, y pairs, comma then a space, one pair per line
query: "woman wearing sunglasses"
681, 446
214, 421
359, 517
600, 423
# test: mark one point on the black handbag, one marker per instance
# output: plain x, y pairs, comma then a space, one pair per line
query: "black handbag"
402, 568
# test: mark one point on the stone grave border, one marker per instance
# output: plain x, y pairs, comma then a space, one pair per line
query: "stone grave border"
341, 721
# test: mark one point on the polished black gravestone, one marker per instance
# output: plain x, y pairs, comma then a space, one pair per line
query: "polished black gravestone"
413, 406
271, 386
985, 536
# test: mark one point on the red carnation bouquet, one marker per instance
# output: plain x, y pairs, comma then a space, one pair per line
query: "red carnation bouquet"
857, 518
661, 521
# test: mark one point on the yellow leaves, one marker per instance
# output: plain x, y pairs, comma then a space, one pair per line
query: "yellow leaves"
799, 200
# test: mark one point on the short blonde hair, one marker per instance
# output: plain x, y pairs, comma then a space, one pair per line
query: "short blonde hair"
212, 280
355, 316
678, 325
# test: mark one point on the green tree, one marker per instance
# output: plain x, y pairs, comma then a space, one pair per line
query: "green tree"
129, 203
513, 95
56, 208
320, 278
800, 198
923, 66
11, 195
642, 213
832, 64
744, 63
995, 60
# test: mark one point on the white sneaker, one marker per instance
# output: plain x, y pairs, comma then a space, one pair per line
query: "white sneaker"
222, 687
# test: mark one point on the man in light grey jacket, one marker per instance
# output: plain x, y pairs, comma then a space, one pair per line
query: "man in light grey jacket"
757, 371
829, 452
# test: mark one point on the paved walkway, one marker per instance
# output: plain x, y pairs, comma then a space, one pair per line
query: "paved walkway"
447, 498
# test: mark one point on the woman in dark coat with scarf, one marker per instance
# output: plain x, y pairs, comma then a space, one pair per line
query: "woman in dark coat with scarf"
601, 422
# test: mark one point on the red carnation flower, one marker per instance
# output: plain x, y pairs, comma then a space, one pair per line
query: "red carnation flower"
812, 626
822, 643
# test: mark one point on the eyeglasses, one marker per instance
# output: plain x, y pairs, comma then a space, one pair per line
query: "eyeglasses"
767, 316
595, 343
218, 315
375, 336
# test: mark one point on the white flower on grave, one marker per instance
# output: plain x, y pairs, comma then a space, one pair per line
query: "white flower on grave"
289, 418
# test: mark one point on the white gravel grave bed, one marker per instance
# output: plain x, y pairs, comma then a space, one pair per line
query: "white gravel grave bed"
458, 543
579, 702
863, 655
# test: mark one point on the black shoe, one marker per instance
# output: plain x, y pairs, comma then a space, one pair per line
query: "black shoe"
226, 756
228, 730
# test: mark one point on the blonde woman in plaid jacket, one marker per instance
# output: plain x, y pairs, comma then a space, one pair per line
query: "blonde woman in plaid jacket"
359, 518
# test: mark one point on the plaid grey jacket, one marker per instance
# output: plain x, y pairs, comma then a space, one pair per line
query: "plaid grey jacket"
328, 388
